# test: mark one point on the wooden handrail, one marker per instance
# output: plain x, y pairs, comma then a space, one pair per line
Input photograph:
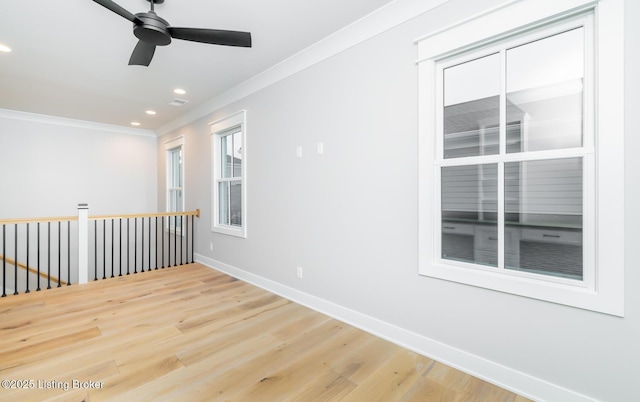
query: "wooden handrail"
34, 271
36, 220
195, 213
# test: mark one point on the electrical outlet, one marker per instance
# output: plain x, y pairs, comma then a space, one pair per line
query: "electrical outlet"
299, 151
211, 246
299, 272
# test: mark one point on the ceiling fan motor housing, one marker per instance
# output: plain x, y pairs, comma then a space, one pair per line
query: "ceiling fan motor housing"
153, 29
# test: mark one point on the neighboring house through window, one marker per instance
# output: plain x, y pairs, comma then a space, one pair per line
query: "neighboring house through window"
229, 170
512, 157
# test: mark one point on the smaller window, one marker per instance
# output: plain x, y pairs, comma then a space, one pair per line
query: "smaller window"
229, 167
175, 180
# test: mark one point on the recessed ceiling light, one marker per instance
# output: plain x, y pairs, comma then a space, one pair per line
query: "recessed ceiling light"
151, 112
135, 123
179, 91
4, 48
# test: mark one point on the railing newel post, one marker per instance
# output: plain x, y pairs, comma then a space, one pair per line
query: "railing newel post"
83, 244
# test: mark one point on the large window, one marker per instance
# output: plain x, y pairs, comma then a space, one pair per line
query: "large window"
510, 152
515, 142
175, 180
229, 165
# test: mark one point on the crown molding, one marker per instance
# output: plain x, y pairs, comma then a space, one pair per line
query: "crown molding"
383, 19
83, 124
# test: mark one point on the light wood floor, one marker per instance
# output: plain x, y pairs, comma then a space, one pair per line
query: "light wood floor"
191, 333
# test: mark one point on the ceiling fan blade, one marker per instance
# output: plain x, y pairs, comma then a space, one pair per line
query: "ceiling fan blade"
110, 5
142, 54
213, 36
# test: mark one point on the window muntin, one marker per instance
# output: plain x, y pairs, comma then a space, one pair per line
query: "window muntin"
229, 170
510, 105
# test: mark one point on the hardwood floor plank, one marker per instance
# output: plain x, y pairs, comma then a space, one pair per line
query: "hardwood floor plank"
28, 353
192, 333
393, 379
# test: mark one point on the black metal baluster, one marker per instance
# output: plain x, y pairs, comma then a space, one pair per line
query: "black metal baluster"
4, 262
175, 241
149, 244
27, 282
169, 242
15, 262
38, 250
120, 247
112, 245
135, 245
48, 255
104, 249
59, 257
157, 243
95, 253
162, 241
181, 233
186, 237
68, 253
128, 254
193, 238
142, 245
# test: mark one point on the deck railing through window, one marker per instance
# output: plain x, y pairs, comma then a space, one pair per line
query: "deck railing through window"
41, 253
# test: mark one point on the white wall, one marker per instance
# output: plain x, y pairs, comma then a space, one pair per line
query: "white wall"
349, 218
49, 165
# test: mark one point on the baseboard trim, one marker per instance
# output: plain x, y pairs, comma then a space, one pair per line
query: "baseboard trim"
521, 383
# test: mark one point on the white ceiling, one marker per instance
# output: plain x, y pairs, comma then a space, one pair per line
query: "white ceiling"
69, 58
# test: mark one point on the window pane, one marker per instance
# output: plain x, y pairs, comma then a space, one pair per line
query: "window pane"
472, 108
469, 210
545, 91
237, 154
236, 203
175, 167
223, 203
226, 155
543, 207
175, 200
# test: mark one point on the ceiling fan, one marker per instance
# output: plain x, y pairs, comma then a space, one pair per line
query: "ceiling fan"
152, 31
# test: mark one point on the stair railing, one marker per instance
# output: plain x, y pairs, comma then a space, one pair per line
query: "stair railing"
46, 252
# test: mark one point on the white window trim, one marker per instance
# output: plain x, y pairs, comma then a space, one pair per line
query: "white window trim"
170, 145
605, 291
238, 119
